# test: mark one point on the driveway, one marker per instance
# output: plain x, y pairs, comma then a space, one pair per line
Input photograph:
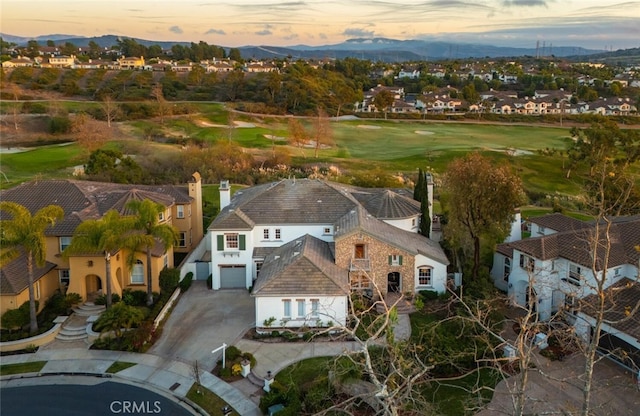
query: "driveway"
202, 320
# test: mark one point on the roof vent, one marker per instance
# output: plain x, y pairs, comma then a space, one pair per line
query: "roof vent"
319, 200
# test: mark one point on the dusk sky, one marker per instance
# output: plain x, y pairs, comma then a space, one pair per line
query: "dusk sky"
596, 24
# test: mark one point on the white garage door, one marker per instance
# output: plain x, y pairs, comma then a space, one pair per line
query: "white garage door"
233, 277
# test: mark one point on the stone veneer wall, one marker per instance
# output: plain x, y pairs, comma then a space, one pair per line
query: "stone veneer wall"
378, 254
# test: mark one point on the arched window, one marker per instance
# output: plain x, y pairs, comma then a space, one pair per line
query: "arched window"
425, 276
507, 268
137, 273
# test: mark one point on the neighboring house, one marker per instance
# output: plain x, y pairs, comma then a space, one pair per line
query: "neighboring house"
14, 283
620, 336
18, 62
61, 61
554, 267
349, 238
82, 200
131, 62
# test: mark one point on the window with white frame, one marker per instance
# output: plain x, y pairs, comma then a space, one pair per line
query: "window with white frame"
507, 268
425, 276
265, 233
396, 260
165, 261
616, 271
301, 308
286, 303
315, 308
161, 216
278, 234
527, 262
64, 276
64, 243
258, 267
180, 211
575, 274
327, 231
182, 239
541, 229
231, 241
570, 304
360, 281
137, 273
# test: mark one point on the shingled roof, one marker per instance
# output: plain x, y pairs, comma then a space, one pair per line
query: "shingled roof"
559, 222
14, 278
304, 266
575, 245
387, 204
620, 300
82, 200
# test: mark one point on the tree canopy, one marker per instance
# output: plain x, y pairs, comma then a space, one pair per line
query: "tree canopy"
479, 198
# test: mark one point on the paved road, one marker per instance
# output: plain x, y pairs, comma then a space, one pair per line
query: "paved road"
202, 320
84, 396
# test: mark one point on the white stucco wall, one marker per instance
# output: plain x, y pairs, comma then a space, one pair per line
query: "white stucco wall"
438, 274
411, 224
331, 308
497, 272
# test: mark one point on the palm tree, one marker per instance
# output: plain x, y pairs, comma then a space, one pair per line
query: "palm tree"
105, 235
27, 231
151, 232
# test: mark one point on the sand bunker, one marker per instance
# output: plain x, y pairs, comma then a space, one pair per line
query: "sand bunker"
272, 137
239, 124
366, 126
424, 132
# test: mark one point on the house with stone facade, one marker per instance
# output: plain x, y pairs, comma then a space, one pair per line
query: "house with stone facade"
84, 273
304, 245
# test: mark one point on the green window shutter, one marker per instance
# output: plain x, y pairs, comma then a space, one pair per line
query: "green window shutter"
390, 257
243, 242
400, 260
220, 242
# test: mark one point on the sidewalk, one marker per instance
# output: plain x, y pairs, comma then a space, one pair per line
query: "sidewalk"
173, 378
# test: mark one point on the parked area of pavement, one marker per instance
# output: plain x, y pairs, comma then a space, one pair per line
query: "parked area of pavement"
203, 320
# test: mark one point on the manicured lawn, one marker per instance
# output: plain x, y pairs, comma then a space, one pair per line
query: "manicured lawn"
207, 400
30, 367
47, 161
119, 366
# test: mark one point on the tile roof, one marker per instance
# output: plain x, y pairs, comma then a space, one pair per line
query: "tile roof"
575, 245
298, 201
387, 204
620, 300
559, 222
14, 278
304, 266
82, 200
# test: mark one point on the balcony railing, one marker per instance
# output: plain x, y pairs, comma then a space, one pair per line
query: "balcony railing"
360, 264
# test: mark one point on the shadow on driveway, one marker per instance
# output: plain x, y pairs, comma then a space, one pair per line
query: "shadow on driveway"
201, 321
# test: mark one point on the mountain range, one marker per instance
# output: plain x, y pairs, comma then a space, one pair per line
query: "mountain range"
374, 49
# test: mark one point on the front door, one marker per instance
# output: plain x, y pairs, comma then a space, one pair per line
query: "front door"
393, 282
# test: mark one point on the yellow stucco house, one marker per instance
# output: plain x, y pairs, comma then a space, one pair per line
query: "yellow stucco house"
131, 62
86, 274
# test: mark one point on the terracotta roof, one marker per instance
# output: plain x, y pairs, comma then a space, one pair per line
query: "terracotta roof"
14, 278
559, 222
575, 245
82, 200
304, 266
620, 300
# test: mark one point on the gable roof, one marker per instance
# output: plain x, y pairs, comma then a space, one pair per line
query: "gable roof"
575, 245
14, 278
82, 200
304, 266
359, 220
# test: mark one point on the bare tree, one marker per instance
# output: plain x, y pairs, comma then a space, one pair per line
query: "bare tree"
109, 108
90, 133
322, 131
164, 108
